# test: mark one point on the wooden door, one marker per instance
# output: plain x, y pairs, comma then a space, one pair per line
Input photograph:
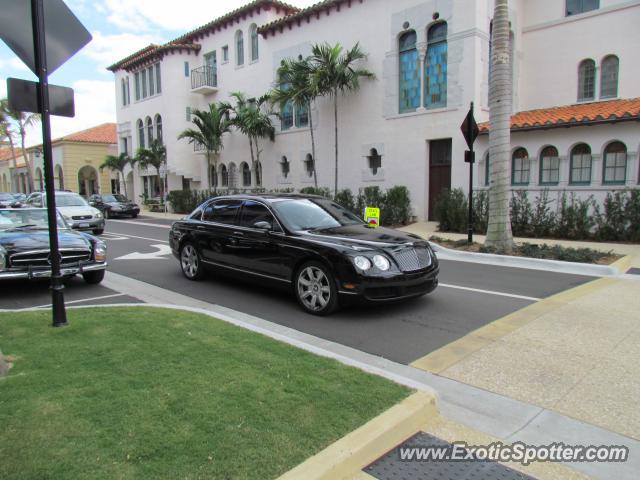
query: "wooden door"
439, 171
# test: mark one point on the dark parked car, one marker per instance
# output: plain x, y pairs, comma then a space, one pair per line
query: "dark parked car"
25, 253
323, 252
8, 200
114, 205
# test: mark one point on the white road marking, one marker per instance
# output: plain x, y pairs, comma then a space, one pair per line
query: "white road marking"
490, 292
83, 300
143, 238
130, 222
163, 251
113, 236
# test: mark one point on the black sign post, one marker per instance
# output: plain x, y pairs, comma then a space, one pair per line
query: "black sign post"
470, 131
55, 35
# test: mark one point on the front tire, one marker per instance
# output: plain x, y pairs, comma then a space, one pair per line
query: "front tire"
93, 278
315, 289
190, 262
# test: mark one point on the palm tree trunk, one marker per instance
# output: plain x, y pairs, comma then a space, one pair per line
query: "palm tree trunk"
161, 181
335, 119
253, 161
209, 168
14, 177
499, 234
124, 182
313, 146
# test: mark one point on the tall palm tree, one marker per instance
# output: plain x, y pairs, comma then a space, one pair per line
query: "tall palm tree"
210, 125
23, 120
252, 117
499, 234
333, 72
155, 156
295, 86
117, 163
5, 125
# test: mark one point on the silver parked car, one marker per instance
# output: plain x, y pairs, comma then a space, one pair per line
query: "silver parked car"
76, 211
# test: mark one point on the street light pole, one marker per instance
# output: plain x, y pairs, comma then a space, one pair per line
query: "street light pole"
57, 287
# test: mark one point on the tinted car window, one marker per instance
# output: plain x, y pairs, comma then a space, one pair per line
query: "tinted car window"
222, 211
253, 212
312, 214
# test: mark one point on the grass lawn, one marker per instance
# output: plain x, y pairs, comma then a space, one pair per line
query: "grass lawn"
152, 393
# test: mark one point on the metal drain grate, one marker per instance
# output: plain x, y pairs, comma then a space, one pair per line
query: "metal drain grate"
390, 467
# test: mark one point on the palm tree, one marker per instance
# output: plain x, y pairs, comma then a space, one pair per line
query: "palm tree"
5, 126
23, 120
499, 234
252, 116
118, 164
155, 156
334, 72
295, 86
210, 126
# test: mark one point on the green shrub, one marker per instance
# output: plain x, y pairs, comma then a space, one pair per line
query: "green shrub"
543, 218
320, 191
185, 201
521, 214
371, 197
397, 206
346, 198
575, 218
480, 211
452, 211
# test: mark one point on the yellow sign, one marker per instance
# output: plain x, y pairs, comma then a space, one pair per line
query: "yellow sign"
372, 216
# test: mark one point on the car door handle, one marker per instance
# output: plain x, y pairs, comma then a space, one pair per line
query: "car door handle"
238, 234
201, 227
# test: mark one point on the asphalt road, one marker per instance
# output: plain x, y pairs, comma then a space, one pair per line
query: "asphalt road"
470, 296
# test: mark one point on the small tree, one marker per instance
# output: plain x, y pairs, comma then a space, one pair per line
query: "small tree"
22, 120
210, 125
118, 164
155, 156
5, 131
334, 72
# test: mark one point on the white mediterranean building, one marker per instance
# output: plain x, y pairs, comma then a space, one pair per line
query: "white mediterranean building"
576, 87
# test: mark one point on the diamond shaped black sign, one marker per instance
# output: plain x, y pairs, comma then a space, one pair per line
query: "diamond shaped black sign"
470, 129
64, 34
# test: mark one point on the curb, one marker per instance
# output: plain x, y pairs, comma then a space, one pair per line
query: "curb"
557, 266
346, 458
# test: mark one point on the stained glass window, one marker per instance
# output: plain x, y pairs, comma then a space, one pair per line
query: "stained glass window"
435, 67
409, 73
302, 116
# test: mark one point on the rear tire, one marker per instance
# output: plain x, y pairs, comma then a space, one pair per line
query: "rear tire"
93, 278
99, 231
315, 289
135, 215
190, 262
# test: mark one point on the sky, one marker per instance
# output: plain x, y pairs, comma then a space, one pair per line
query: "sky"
119, 28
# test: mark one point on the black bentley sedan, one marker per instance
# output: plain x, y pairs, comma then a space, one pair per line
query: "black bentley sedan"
323, 252
114, 205
25, 253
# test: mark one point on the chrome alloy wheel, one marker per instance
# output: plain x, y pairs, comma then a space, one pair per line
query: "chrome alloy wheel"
190, 261
313, 288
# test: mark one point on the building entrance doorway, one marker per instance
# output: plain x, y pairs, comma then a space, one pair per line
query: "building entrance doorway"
439, 171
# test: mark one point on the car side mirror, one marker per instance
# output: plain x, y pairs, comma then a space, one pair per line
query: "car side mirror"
266, 226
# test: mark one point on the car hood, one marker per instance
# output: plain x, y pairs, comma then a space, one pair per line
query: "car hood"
26, 240
83, 210
362, 236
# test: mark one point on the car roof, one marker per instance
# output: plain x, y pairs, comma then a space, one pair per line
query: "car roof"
269, 197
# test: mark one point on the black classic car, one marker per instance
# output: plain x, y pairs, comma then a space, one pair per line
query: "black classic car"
25, 253
114, 205
326, 254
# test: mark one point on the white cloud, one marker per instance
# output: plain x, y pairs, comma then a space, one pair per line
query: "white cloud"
145, 15
108, 49
95, 102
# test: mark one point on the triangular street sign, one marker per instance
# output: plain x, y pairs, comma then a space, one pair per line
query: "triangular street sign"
64, 34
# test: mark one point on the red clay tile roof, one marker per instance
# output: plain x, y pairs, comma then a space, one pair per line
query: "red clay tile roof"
305, 14
611, 111
105, 133
6, 153
187, 41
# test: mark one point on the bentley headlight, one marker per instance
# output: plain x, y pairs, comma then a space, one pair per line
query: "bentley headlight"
381, 262
363, 263
100, 252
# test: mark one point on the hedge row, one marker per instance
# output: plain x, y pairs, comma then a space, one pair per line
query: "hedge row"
394, 203
616, 219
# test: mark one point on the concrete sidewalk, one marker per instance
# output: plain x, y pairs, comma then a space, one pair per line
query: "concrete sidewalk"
166, 216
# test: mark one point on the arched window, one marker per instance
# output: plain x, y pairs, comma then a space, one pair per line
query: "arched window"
253, 30
615, 164
214, 177
239, 48
308, 165
284, 167
375, 161
246, 174
580, 168
435, 67
58, 177
159, 128
549, 166
224, 175
409, 82
149, 130
586, 80
140, 134
520, 167
487, 170
302, 116
258, 174
286, 111
609, 77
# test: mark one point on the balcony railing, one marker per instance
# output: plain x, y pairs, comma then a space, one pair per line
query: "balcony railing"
204, 79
